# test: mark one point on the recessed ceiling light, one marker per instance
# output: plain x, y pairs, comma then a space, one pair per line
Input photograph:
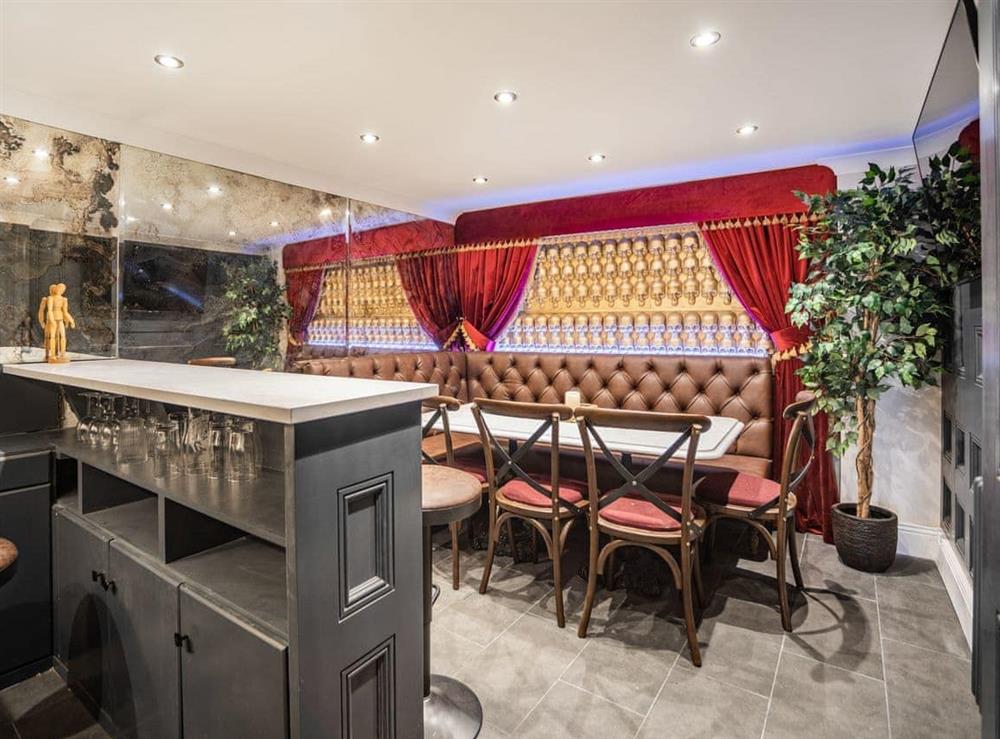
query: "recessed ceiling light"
232, 233
40, 153
131, 219
369, 138
747, 129
274, 224
326, 212
167, 206
597, 158
480, 180
505, 97
169, 61
11, 179
214, 189
705, 38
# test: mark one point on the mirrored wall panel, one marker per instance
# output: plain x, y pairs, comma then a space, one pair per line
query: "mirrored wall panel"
59, 224
201, 249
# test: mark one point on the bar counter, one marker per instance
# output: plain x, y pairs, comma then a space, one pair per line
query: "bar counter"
283, 606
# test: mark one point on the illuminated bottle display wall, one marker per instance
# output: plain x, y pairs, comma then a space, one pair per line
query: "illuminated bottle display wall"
644, 291
380, 319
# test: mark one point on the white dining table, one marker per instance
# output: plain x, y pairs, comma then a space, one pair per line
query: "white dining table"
714, 442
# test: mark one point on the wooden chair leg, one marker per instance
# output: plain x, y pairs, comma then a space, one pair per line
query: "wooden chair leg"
588, 602
455, 554
555, 551
709, 548
782, 542
687, 596
510, 539
699, 584
493, 535
793, 551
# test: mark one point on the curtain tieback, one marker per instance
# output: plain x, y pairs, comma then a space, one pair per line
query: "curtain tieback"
789, 342
470, 336
474, 338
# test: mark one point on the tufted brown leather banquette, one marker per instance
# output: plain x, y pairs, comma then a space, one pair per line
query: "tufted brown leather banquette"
444, 369
737, 387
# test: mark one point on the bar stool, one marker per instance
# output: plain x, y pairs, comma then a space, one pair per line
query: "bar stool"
8, 553
451, 709
213, 361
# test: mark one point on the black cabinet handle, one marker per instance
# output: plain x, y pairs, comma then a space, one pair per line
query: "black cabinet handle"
100, 577
182, 640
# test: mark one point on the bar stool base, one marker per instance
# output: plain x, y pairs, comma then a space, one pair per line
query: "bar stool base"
451, 711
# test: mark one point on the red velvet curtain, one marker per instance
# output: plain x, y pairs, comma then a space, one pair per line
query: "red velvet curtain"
303, 289
430, 282
491, 284
759, 261
466, 299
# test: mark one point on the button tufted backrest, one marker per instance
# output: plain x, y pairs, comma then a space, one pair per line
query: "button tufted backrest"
444, 369
737, 387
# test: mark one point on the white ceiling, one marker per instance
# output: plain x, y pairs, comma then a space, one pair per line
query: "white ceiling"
282, 89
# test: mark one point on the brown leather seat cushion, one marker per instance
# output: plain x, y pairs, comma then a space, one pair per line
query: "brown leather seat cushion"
446, 487
757, 466
8, 554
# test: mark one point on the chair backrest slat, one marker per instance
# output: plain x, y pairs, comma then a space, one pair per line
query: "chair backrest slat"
689, 428
440, 405
802, 438
510, 466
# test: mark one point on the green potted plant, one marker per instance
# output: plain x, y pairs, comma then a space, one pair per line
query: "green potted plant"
254, 313
874, 300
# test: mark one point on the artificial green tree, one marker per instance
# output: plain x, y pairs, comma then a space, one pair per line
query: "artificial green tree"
875, 301
254, 314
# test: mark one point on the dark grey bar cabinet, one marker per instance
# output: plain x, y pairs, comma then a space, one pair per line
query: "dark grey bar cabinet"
286, 606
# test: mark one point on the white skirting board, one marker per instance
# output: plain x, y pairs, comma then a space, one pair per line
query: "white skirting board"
930, 542
958, 582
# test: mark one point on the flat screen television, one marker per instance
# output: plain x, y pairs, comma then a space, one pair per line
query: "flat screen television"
951, 108
172, 279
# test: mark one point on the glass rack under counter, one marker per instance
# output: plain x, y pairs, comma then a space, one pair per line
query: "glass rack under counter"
285, 566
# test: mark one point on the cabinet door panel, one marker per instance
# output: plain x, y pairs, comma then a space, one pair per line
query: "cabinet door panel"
234, 676
141, 659
26, 589
81, 612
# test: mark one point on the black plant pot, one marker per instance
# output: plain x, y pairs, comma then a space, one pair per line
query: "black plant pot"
866, 544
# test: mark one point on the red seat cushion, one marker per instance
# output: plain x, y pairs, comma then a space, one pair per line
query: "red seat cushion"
473, 469
639, 513
738, 488
569, 490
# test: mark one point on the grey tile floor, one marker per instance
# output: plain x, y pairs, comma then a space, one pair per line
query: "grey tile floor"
42, 707
870, 655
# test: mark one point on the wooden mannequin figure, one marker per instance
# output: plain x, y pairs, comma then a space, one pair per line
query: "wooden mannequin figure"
53, 314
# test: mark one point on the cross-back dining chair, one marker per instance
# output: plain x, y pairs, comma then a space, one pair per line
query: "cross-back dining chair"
633, 514
439, 448
765, 504
547, 503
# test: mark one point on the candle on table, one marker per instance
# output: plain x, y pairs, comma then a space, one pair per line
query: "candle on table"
573, 398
